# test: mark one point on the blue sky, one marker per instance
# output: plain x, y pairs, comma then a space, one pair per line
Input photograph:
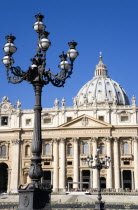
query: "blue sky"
110, 26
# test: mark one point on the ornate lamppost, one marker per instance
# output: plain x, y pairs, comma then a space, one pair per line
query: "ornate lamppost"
98, 163
35, 196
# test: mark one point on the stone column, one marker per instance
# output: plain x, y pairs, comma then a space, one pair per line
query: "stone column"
116, 164
135, 145
132, 179
122, 181
109, 180
62, 164
15, 166
9, 180
91, 179
76, 163
81, 180
95, 172
56, 166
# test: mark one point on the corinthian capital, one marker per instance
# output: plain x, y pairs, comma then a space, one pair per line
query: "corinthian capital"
75, 139
62, 140
108, 139
55, 140
135, 138
116, 139
94, 139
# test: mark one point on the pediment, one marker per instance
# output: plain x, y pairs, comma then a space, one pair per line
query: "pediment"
85, 121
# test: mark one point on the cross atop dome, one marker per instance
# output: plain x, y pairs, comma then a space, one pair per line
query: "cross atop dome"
100, 53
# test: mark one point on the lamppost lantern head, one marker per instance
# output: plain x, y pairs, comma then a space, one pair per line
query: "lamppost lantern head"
91, 160
72, 52
109, 160
88, 159
101, 160
95, 158
64, 65
44, 42
98, 150
39, 25
34, 63
7, 61
33, 66
9, 47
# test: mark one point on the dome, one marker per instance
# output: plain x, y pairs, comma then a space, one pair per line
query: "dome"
101, 89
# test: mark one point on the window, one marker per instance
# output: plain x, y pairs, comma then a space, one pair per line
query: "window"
47, 163
27, 150
69, 149
124, 118
46, 120
69, 119
3, 151
47, 149
102, 149
69, 163
85, 148
28, 121
125, 148
101, 118
126, 163
4, 121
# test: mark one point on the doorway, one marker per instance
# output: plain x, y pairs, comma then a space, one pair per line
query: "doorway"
3, 177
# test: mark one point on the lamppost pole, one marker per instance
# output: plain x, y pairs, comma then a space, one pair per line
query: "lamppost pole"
98, 163
35, 195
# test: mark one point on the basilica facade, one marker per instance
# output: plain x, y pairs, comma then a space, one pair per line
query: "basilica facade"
101, 117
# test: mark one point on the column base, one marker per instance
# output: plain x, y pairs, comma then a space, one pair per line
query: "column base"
34, 199
99, 205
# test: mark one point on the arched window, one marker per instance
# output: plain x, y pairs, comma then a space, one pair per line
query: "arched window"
69, 149
47, 149
102, 149
85, 148
27, 150
125, 148
3, 151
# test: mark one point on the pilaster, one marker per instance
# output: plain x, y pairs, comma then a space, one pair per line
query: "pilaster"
76, 163
135, 140
109, 180
15, 166
62, 177
116, 163
56, 165
95, 172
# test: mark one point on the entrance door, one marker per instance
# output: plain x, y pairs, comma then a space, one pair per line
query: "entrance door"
3, 177
70, 186
127, 181
103, 182
47, 178
85, 178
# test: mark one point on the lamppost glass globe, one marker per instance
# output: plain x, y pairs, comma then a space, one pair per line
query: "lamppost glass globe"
64, 65
33, 66
9, 48
39, 26
7, 60
72, 54
44, 44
